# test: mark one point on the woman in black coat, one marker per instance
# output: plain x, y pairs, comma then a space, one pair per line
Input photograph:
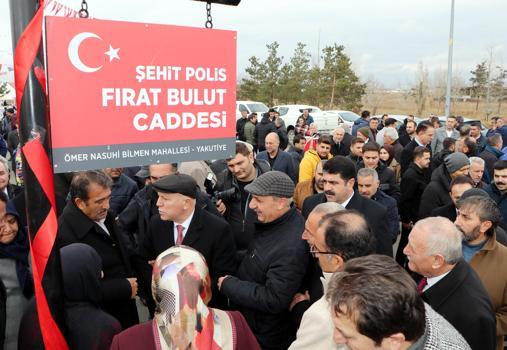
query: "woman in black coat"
14, 273
88, 327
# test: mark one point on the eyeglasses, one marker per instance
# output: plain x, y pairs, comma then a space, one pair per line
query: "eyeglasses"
314, 250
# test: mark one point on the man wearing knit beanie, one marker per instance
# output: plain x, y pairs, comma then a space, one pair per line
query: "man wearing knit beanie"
457, 164
364, 133
436, 193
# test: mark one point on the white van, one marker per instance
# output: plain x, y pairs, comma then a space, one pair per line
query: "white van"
251, 107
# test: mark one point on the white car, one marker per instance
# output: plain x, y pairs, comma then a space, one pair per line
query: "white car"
291, 113
251, 107
345, 119
326, 121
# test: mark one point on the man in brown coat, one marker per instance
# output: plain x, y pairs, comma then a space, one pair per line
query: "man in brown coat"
478, 218
308, 188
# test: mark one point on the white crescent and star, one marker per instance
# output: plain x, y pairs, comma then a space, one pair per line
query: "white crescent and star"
73, 52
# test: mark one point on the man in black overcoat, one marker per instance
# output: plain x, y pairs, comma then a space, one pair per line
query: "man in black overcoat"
86, 219
449, 285
181, 222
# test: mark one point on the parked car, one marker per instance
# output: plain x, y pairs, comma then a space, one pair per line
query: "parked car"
290, 114
344, 119
250, 107
326, 121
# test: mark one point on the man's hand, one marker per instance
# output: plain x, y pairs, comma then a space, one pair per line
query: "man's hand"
298, 298
133, 287
221, 280
221, 207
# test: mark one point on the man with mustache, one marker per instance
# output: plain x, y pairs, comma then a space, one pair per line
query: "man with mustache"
478, 219
339, 179
86, 219
497, 190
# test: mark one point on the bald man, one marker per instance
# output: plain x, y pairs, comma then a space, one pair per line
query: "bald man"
449, 285
278, 159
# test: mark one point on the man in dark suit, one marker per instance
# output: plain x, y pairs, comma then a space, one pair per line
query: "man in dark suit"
181, 222
407, 131
339, 180
413, 183
86, 219
449, 285
424, 134
341, 142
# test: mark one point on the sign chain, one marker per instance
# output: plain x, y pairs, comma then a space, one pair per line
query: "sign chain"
209, 20
83, 13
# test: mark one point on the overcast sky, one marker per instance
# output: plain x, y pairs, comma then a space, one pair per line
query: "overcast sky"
386, 39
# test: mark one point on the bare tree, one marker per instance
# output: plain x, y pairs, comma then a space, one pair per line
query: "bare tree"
420, 91
374, 94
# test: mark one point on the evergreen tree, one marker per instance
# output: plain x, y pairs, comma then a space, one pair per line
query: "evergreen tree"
341, 84
297, 74
272, 65
250, 87
335, 84
479, 81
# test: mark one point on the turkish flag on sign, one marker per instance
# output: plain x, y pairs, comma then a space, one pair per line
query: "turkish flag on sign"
120, 83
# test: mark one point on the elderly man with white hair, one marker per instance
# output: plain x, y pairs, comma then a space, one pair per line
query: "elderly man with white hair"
392, 139
389, 123
341, 142
476, 171
449, 285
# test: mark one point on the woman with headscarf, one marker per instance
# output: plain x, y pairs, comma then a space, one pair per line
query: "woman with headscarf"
391, 161
87, 326
14, 272
181, 288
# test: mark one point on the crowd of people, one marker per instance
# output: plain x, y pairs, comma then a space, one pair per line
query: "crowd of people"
389, 235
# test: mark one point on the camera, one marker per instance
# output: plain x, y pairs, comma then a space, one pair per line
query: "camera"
229, 195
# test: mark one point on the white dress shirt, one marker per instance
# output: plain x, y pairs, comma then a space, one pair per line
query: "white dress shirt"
434, 280
344, 204
185, 225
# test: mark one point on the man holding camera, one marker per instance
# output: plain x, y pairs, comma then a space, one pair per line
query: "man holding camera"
241, 170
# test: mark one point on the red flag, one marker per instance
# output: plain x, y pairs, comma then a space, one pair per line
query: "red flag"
44, 253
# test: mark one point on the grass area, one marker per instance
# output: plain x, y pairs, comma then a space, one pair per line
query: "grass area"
401, 103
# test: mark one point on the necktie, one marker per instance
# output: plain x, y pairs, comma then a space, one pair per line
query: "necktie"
422, 283
179, 240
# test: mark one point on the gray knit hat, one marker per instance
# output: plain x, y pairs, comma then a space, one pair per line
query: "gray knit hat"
455, 161
272, 183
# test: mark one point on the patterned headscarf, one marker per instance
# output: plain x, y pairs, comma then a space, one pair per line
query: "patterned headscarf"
181, 288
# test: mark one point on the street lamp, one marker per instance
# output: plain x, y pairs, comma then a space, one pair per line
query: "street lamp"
449, 65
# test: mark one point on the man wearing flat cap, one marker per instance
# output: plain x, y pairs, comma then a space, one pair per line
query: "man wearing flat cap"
181, 222
274, 266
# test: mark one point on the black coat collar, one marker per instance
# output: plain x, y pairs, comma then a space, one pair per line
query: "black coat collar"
445, 288
80, 224
194, 229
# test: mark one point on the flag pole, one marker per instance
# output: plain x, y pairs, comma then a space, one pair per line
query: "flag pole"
26, 25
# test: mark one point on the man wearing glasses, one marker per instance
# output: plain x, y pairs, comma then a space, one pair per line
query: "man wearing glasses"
341, 236
339, 180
